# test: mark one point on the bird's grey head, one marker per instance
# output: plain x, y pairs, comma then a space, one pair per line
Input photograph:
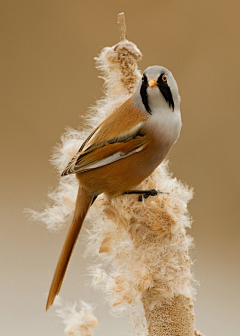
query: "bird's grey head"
157, 88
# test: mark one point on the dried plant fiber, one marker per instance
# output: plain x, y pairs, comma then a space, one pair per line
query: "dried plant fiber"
143, 245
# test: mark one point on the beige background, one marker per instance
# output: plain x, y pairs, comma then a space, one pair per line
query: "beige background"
48, 78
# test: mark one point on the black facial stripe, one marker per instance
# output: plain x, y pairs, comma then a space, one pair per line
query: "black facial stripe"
144, 95
166, 91
167, 94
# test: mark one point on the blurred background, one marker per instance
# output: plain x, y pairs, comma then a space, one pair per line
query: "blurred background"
48, 78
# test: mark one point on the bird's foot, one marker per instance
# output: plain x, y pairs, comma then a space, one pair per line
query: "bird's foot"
144, 193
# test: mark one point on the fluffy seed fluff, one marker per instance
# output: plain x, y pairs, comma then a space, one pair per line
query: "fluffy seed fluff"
79, 319
143, 245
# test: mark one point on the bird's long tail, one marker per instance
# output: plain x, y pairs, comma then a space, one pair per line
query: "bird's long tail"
83, 201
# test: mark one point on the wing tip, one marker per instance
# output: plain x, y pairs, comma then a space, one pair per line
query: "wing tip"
67, 171
64, 173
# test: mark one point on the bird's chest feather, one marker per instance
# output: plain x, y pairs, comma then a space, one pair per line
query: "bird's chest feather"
164, 127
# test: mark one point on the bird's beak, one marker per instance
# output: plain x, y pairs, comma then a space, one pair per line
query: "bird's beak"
152, 82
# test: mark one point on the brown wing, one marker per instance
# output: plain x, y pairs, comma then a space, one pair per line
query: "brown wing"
120, 135
67, 170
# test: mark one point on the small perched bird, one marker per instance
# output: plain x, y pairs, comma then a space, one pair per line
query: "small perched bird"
122, 151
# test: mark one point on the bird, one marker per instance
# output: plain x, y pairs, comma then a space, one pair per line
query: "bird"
123, 151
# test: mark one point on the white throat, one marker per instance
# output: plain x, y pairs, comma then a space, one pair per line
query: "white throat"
156, 100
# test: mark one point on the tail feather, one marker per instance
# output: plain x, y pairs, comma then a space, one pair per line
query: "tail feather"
83, 202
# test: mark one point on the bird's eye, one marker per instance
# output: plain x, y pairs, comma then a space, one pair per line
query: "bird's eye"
144, 78
164, 78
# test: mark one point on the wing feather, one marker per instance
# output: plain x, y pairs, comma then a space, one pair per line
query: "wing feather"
120, 135
69, 169
106, 152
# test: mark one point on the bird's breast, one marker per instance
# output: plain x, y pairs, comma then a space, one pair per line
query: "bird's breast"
164, 128
124, 174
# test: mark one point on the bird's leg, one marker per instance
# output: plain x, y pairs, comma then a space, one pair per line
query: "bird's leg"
144, 193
